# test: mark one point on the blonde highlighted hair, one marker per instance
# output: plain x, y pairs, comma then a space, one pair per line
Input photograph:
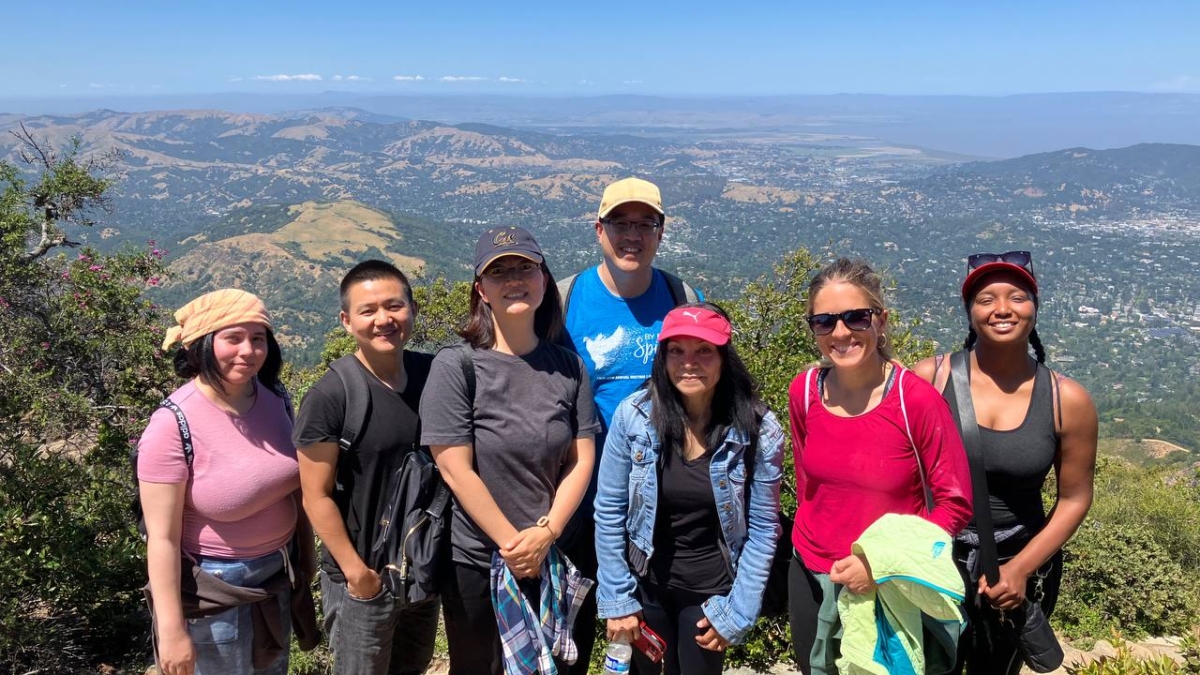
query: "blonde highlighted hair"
857, 273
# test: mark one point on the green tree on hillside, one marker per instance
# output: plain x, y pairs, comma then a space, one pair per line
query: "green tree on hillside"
79, 373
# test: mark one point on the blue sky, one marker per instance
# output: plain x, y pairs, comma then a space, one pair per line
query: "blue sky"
69, 48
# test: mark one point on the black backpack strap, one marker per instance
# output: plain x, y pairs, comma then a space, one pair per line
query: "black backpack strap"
681, 291
288, 406
441, 497
358, 400
565, 286
185, 432
960, 379
468, 369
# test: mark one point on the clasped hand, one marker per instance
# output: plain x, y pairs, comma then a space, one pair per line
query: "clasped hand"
525, 552
854, 573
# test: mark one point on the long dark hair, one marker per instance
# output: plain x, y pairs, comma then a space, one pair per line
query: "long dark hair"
480, 332
735, 403
199, 359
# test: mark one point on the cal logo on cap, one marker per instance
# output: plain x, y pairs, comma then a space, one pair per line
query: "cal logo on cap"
505, 238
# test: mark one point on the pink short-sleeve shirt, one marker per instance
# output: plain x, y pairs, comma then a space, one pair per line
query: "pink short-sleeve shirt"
241, 498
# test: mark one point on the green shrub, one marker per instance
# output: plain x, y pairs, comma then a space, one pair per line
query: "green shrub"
1119, 576
1135, 562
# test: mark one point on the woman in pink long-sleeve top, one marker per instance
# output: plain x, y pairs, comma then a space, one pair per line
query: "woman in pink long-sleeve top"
869, 438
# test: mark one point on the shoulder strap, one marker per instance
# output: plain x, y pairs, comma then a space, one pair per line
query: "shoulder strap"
565, 286
925, 489
961, 381
1055, 398
940, 375
468, 368
468, 371
358, 400
288, 406
807, 390
185, 432
681, 292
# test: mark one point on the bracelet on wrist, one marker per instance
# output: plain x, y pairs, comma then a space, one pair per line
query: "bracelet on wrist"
544, 521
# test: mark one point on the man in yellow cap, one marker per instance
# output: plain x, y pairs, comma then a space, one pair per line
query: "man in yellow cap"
613, 314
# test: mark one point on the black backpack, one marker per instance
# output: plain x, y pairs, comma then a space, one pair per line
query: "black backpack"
189, 450
412, 538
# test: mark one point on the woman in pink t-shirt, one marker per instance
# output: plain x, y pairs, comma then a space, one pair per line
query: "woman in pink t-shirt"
868, 438
232, 507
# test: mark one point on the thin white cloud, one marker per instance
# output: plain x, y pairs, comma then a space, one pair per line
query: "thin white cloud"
632, 82
359, 78
306, 77
1179, 83
96, 85
586, 83
463, 78
408, 78
236, 79
516, 80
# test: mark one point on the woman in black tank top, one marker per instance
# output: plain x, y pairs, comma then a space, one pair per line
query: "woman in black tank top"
1030, 420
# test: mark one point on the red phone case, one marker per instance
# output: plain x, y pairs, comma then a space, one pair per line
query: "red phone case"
650, 644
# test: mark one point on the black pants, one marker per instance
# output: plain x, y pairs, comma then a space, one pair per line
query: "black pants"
580, 548
986, 647
471, 632
673, 614
804, 603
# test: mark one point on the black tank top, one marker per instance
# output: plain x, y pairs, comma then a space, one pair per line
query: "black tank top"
1018, 460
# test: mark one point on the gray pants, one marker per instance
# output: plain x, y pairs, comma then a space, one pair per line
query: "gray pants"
376, 636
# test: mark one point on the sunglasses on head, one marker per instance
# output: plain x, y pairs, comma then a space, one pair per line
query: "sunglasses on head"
855, 319
1018, 258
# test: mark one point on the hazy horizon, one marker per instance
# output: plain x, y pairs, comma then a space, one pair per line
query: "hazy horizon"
938, 47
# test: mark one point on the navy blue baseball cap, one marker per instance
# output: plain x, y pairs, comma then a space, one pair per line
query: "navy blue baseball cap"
501, 241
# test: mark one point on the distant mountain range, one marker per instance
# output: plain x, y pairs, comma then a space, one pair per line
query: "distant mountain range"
981, 126
283, 203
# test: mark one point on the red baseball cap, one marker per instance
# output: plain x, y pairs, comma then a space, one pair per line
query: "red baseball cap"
980, 265
697, 322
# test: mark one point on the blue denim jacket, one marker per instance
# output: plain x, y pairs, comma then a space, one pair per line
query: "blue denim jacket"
627, 498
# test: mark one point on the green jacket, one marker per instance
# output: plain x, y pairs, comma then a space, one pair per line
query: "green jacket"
918, 594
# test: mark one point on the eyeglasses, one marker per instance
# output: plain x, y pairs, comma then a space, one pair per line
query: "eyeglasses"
519, 271
855, 319
1018, 258
643, 227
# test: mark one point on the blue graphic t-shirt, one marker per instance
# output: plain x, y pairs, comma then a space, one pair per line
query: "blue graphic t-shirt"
616, 337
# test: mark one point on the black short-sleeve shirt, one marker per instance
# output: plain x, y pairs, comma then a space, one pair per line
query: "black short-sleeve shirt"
392, 429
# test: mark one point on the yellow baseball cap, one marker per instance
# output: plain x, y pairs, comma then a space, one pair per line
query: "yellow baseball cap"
630, 190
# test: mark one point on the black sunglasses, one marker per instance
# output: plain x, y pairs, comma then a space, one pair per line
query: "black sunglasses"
1018, 258
855, 319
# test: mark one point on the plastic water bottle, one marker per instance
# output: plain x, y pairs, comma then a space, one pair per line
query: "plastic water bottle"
617, 658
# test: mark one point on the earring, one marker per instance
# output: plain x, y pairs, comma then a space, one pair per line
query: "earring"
882, 340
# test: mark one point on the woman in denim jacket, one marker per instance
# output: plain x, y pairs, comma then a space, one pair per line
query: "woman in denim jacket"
687, 505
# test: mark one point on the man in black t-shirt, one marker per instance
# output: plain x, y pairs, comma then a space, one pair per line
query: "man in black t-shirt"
343, 491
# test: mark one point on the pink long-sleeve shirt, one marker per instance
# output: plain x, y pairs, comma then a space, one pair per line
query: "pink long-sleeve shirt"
852, 470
